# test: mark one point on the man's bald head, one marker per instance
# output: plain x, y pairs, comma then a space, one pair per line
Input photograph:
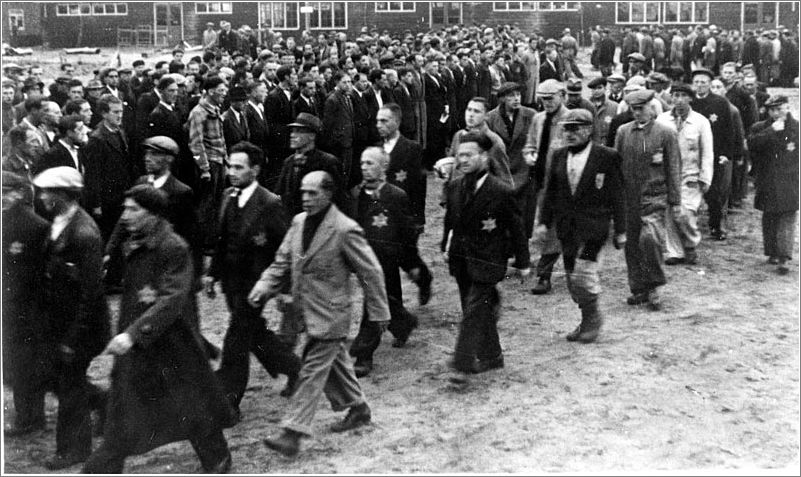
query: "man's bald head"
316, 191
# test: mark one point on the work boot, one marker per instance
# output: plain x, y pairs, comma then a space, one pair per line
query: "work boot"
288, 443
357, 416
654, 300
543, 286
690, 256
637, 299
591, 322
573, 335
291, 383
363, 367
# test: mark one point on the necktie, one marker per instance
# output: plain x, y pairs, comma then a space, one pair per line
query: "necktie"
350, 104
235, 198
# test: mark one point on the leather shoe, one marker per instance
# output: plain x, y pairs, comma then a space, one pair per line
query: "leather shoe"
573, 335
674, 261
542, 287
357, 416
773, 260
288, 443
637, 299
399, 343
62, 461
488, 364
291, 383
222, 467
363, 368
654, 301
718, 234
424, 294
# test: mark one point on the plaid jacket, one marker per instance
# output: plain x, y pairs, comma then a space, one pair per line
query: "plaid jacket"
206, 140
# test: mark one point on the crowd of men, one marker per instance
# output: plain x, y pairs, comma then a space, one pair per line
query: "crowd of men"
277, 168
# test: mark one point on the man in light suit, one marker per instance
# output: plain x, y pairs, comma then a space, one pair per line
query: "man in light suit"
320, 251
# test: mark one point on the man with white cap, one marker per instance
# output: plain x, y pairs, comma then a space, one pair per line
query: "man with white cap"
616, 84
78, 317
652, 173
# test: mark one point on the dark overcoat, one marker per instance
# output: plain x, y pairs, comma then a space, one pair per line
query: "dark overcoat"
774, 155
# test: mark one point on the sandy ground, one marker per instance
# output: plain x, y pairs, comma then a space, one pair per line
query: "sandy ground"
710, 384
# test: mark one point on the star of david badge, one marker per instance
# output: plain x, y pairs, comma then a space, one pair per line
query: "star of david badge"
380, 220
608, 119
147, 295
260, 239
713, 117
488, 225
15, 248
790, 147
400, 176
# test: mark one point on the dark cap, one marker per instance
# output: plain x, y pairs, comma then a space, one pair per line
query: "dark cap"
161, 144
702, 71
237, 93
307, 121
150, 198
595, 82
14, 181
776, 100
507, 88
637, 57
138, 63
682, 88
574, 86
639, 97
579, 116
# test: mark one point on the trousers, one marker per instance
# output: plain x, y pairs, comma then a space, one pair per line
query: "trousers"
683, 233
717, 197
582, 267
778, 233
644, 239
209, 198
478, 333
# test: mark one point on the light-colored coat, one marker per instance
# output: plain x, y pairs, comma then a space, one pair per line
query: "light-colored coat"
695, 146
321, 290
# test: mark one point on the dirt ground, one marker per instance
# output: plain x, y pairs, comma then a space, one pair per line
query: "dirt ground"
710, 384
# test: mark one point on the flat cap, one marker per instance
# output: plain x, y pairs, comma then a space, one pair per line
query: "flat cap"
307, 121
595, 82
551, 41
639, 97
702, 71
636, 79
579, 116
507, 88
14, 181
237, 93
776, 100
62, 177
125, 70
636, 57
550, 87
161, 144
682, 88
94, 84
657, 77
574, 85
150, 198
11, 66
616, 78
179, 78
632, 87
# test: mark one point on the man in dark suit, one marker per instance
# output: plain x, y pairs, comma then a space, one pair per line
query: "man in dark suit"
338, 125
584, 192
78, 318
551, 67
145, 105
306, 102
278, 113
436, 98
406, 172
259, 131
403, 98
165, 120
252, 225
482, 228
364, 132
235, 125
65, 151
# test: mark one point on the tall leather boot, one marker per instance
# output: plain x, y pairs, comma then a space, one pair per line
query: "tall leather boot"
591, 322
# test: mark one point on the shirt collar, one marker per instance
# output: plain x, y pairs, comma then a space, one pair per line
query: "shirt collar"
246, 193
481, 180
168, 106
158, 182
70, 147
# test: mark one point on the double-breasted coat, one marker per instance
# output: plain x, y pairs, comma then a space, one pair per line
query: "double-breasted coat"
774, 155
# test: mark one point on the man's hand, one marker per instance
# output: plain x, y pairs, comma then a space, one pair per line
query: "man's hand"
676, 212
619, 241
208, 287
530, 159
257, 294
414, 274
206, 176
383, 325
119, 345
723, 160
97, 211
540, 232
66, 353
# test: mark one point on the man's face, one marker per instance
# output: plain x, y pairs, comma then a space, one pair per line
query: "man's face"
386, 123
225, 60
327, 74
8, 95
77, 134
75, 93
136, 218
432, 68
475, 114
616, 86
598, 92
717, 87
139, 69
382, 82
681, 101
573, 97
218, 94
238, 106
408, 78
156, 162
94, 93
345, 85
269, 71
778, 112
551, 103
702, 84
577, 135
419, 61
193, 68
362, 83
52, 201
728, 73
470, 158
85, 113
309, 89
51, 113
512, 101
300, 138
372, 171
69, 71
37, 74
240, 172
292, 80
364, 61
170, 94
313, 197
259, 94
112, 79
114, 115
749, 83
642, 113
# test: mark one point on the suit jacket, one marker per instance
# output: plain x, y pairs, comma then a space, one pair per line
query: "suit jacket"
300, 105
406, 171
278, 113
550, 72
109, 170
486, 228
321, 275
288, 184
516, 143
584, 216
436, 99
363, 124
235, 130
534, 143
265, 223
408, 126
79, 316
163, 122
338, 124
145, 105
57, 156
257, 124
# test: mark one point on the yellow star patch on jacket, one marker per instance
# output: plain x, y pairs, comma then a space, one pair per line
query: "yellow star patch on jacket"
400, 176
260, 239
147, 295
488, 225
380, 220
16, 248
713, 117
